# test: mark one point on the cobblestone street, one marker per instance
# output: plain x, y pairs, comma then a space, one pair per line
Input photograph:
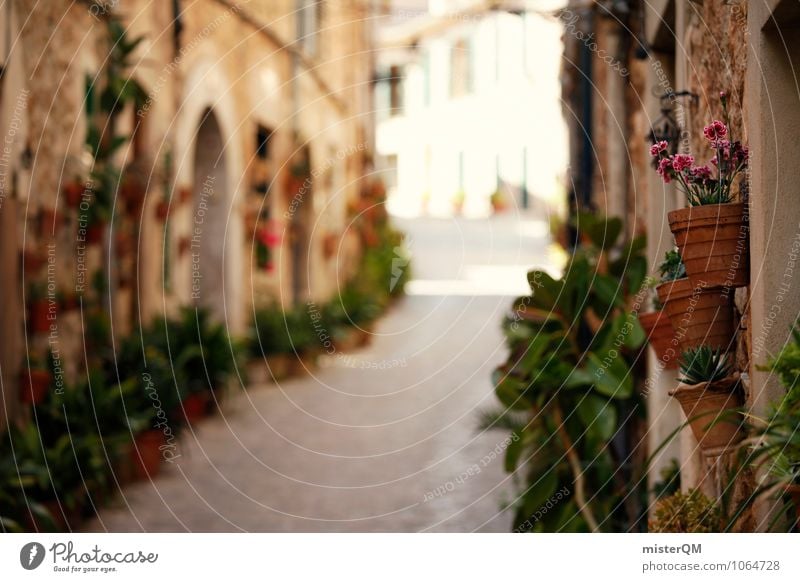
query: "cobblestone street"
382, 439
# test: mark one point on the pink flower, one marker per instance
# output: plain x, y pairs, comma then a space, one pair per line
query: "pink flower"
657, 148
682, 161
665, 169
715, 131
721, 144
700, 172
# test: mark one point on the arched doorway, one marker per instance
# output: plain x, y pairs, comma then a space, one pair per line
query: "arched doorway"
209, 218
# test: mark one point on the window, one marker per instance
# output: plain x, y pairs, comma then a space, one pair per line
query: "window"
396, 90
309, 19
262, 177
263, 139
460, 68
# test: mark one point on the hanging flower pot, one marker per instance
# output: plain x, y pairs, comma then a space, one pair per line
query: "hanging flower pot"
49, 222
124, 243
146, 454
184, 194
699, 315
195, 407
73, 192
660, 334
94, 233
710, 408
713, 241
329, 244
37, 316
32, 261
279, 366
162, 210
34, 385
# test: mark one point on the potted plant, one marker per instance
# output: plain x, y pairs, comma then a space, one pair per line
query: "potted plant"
32, 261
498, 201
712, 233
710, 395
776, 439
73, 192
34, 381
162, 209
660, 335
699, 315
690, 512
49, 222
38, 309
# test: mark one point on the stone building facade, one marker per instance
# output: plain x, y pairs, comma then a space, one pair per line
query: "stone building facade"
677, 57
254, 124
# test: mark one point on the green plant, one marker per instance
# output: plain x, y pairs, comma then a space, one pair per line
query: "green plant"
570, 371
17, 509
690, 512
704, 364
672, 268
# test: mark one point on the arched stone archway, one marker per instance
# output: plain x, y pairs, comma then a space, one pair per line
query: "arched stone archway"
209, 217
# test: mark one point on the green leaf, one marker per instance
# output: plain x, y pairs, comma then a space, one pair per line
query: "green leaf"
513, 452
510, 391
598, 415
612, 377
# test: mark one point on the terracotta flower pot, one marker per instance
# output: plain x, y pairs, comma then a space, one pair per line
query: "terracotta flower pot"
195, 407
73, 191
146, 454
94, 233
162, 210
699, 315
279, 366
33, 385
713, 241
660, 334
33, 261
37, 313
49, 223
709, 409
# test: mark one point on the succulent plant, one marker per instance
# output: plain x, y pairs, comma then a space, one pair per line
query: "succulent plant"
672, 267
690, 512
704, 364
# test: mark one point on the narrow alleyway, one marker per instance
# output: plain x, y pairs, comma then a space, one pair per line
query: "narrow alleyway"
381, 440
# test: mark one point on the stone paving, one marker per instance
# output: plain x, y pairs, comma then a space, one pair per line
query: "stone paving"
384, 439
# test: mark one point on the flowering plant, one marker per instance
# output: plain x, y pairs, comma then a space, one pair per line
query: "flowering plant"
699, 183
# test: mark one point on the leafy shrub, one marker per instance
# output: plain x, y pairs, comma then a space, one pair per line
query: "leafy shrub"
572, 349
672, 267
690, 512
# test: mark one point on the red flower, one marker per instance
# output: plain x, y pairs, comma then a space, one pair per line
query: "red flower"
682, 161
657, 148
665, 169
715, 131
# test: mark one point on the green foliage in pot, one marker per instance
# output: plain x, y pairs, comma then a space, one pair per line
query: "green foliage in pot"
704, 364
672, 268
690, 512
16, 506
573, 348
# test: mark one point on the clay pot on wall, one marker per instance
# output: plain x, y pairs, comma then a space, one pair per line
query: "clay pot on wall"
710, 408
195, 407
660, 334
37, 316
699, 315
33, 385
713, 241
73, 192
